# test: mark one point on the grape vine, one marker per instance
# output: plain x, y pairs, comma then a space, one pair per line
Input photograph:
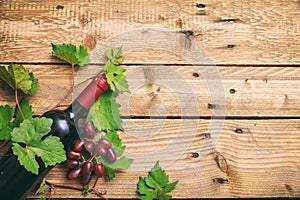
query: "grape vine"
99, 156
99, 150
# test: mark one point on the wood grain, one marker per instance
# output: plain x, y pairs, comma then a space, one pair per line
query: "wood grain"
181, 91
244, 158
185, 59
230, 31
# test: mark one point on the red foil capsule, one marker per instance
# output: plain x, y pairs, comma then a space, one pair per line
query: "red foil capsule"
97, 87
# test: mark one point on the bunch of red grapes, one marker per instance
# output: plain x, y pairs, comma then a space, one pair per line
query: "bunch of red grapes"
82, 166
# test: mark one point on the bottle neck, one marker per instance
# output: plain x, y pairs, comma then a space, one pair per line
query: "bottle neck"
87, 97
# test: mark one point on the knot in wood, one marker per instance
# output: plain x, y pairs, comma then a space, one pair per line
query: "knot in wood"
221, 163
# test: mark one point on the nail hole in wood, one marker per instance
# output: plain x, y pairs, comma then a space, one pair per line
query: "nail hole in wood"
207, 135
204, 136
211, 106
196, 75
232, 91
288, 188
179, 22
230, 46
265, 80
238, 130
59, 7
220, 180
188, 33
195, 155
200, 5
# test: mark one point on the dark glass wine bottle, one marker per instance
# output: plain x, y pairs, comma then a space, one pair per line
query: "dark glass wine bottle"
15, 182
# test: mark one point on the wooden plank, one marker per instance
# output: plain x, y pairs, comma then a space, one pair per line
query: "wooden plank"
230, 31
254, 158
181, 91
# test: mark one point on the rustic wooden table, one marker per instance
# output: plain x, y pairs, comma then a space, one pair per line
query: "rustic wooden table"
225, 125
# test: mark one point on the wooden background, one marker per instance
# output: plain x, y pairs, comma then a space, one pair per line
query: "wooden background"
169, 115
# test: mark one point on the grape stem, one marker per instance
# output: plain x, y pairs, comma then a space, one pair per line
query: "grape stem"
83, 158
98, 193
22, 115
5, 155
18, 105
53, 185
95, 183
50, 193
92, 191
70, 91
5, 143
91, 158
73, 76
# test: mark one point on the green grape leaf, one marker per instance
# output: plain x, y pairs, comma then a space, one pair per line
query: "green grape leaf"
116, 78
121, 163
74, 55
26, 110
104, 113
18, 78
30, 133
35, 85
115, 55
156, 185
26, 158
116, 141
157, 177
6, 115
109, 172
115, 73
144, 190
168, 188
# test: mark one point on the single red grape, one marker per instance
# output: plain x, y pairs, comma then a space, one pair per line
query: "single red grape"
105, 142
78, 145
75, 173
72, 163
90, 130
89, 146
100, 150
86, 179
87, 168
99, 170
111, 155
74, 155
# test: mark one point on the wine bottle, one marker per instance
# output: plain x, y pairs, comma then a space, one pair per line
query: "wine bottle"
15, 182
